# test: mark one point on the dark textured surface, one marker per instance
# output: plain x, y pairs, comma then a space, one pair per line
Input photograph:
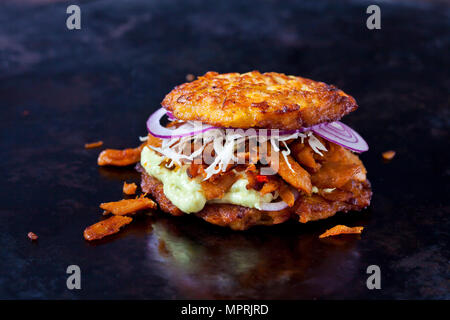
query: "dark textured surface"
103, 81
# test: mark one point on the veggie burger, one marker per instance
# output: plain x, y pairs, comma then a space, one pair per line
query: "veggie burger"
240, 150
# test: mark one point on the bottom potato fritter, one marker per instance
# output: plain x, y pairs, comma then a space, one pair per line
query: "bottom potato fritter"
354, 195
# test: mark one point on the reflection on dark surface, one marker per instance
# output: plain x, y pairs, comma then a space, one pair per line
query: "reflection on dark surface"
222, 264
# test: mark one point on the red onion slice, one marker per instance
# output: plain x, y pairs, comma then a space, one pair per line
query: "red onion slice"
277, 206
341, 134
336, 132
156, 129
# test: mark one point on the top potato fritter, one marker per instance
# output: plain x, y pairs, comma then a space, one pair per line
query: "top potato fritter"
269, 100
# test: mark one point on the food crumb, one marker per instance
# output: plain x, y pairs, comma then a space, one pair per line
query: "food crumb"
92, 145
129, 188
32, 236
190, 77
341, 229
388, 155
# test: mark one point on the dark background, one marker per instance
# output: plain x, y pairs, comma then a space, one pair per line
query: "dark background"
60, 89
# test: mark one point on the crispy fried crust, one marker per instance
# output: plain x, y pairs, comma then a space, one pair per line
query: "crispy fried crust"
241, 218
317, 207
236, 217
341, 229
269, 100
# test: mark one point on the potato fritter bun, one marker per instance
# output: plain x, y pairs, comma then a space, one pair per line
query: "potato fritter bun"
254, 100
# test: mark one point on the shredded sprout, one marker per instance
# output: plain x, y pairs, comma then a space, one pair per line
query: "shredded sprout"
315, 144
225, 146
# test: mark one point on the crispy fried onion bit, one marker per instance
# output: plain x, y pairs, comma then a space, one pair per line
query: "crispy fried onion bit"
92, 145
128, 206
341, 229
120, 158
129, 188
106, 227
119, 209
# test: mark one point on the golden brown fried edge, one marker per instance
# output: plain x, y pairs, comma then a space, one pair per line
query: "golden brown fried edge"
268, 100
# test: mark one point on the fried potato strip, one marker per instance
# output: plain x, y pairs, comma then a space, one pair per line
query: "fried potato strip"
121, 158
341, 229
106, 227
128, 206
